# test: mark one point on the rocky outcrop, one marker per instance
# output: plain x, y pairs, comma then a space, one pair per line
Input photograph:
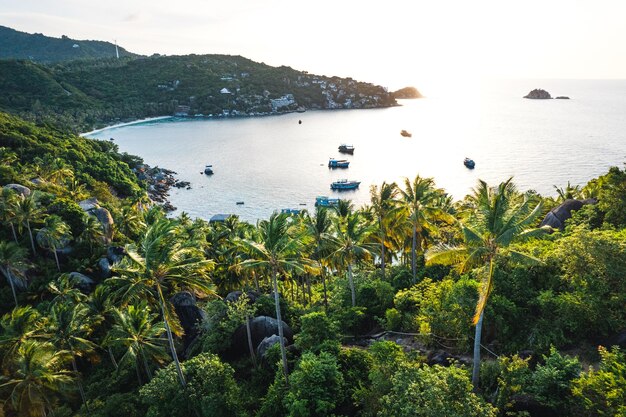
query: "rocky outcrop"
260, 328
557, 216
189, 314
562, 98
20, 189
83, 282
234, 296
92, 207
407, 93
265, 344
538, 94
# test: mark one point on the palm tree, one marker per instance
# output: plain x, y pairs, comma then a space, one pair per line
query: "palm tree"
17, 326
67, 328
130, 222
159, 267
12, 265
420, 201
350, 245
567, 193
8, 208
27, 210
37, 375
277, 251
319, 228
93, 233
53, 235
500, 217
137, 333
384, 206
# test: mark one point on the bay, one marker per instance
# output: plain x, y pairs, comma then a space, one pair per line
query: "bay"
275, 162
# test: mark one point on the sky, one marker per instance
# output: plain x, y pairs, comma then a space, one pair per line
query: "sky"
427, 44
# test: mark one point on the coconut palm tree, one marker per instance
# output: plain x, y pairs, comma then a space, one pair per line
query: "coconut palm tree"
8, 208
567, 193
53, 236
129, 222
159, 267
383, 207
350, 245
17, 326
500, 217
12, 265
319, 227
27, 211
420, 200
93, 232
277, 250
36, 378
67, 328
139, 335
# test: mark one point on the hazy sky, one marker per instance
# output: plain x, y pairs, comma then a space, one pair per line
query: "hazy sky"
389, 42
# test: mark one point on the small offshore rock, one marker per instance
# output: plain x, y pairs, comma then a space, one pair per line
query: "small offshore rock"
538, 94
562, 98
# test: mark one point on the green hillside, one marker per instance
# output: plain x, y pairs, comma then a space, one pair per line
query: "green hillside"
37, 47
91, 93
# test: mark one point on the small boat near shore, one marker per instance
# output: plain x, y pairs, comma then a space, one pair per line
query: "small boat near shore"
469, 163
290, 211
338, 163
324, 201
343, 148
208, 170
406, 133
345, 185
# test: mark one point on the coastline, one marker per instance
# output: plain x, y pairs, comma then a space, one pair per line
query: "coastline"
134, 122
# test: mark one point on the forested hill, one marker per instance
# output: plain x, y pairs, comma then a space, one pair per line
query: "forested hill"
86, 94
41, 48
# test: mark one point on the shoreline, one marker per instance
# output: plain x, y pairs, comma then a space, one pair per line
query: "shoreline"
134, 122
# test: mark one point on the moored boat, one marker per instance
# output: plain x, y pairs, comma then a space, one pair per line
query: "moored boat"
469, 163
343, 148
208, 169
345, 185
338, 163
290, 211
324, 201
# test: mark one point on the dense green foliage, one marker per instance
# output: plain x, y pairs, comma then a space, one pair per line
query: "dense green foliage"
91, 93
41, 48
90, 325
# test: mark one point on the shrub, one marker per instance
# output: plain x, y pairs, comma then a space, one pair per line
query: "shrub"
317, 333
211, 390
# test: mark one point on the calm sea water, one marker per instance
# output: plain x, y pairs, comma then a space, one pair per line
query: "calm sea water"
271, 163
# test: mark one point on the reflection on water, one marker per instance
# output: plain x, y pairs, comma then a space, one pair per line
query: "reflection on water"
271, 163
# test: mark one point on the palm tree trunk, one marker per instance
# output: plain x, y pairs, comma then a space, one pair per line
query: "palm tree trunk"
14, 234
138, 371
170, 339
308, 287
56, 258
80, 385
250, 347
112, 358
324, 285
256, 282
7, 273
477, 336
30, 233
283, 351
414, 255
146, 366
351, 282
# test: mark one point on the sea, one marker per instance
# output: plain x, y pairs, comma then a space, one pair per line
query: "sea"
277, 162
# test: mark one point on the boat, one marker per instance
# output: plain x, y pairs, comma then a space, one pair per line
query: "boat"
405, 133
208, 169
469, 163
324, 201
290, 211
345, 185
240, 203
338, 163
343, 148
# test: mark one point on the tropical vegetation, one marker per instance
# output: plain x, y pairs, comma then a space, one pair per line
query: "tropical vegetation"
415, 305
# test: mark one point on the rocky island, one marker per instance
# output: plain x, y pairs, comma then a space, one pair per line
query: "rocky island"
538, 94
407, 93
